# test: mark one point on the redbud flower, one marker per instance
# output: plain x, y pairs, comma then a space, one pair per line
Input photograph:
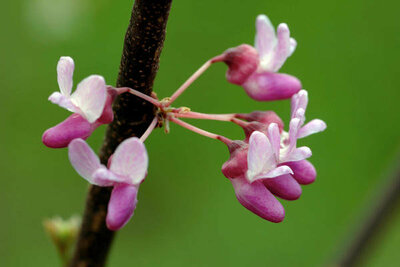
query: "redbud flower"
127, 169
256, 68
90, 103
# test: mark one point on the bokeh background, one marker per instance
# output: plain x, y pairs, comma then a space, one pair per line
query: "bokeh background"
347, 58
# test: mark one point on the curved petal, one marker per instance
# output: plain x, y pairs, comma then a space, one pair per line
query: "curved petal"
83, 159
314, 126
265, 37
282, 49
105, 177
75, 126
130, 160
299, 101
285, 187
293, 45
256, 198
63, 101
90, 97
281, 170
121, 206
65, 71
304, 171
260, 157
275, 139
298, 154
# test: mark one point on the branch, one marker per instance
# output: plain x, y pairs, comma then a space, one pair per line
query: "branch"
143, 43
379, 214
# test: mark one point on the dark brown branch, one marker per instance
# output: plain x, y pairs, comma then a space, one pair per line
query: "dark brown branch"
144, 41
378, 215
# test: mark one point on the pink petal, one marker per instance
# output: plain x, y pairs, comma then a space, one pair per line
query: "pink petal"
63, 101
314, 126
65, 71
268, 86
90, 97
130, 160
121, 206
304, 171
293, 130
275, 139
105, 177
282, 49
83, 159
299, 101
256, 198
285, 187
75, 126
265, 37
298, 154
260, 157
237, 163
265, 117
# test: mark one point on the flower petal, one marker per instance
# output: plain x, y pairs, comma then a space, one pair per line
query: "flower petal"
65, 71
90, 97
299, 154
256, 198
293, 45
314, 126
130, 160
260, 157
83, 159
275, 139
265, 37
282, 49
105, 177
304, 171
285, 187
121, 206
281, 170
63, 101
299, 101
75, 126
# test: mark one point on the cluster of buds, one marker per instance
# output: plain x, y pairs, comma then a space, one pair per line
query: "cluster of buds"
265, 164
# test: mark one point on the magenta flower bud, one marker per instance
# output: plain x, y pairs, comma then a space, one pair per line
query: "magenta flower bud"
304, 171
268, 86
256, 198
285, 187
121, 206
75, 126
242, 61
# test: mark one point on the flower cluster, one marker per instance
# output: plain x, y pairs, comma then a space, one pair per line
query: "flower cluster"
266, 164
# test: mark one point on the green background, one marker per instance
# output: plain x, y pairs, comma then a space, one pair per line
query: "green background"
347, 58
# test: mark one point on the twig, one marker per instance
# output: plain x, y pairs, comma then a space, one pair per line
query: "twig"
143, 43
385, 204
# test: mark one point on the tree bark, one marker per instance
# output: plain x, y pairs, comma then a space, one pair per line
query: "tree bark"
143, 43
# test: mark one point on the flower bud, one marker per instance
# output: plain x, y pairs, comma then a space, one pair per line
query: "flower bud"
268, 86
256, 198
304, 171
285, 187
242, 61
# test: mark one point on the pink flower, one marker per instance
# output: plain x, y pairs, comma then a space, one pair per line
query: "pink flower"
127, 169
256, 68
90, 103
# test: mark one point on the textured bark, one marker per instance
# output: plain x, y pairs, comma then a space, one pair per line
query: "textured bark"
139, 64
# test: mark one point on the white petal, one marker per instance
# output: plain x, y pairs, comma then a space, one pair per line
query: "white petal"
293, 45
83, 159
63, 101
299, 154
105, 177
282, 170
294, 127
130, 160
275, 139
90, 97
282, 49
265, 37
65, 71
260, 157
314, 126
299, 100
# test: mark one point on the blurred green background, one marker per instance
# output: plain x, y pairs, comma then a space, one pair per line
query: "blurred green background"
187, 215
